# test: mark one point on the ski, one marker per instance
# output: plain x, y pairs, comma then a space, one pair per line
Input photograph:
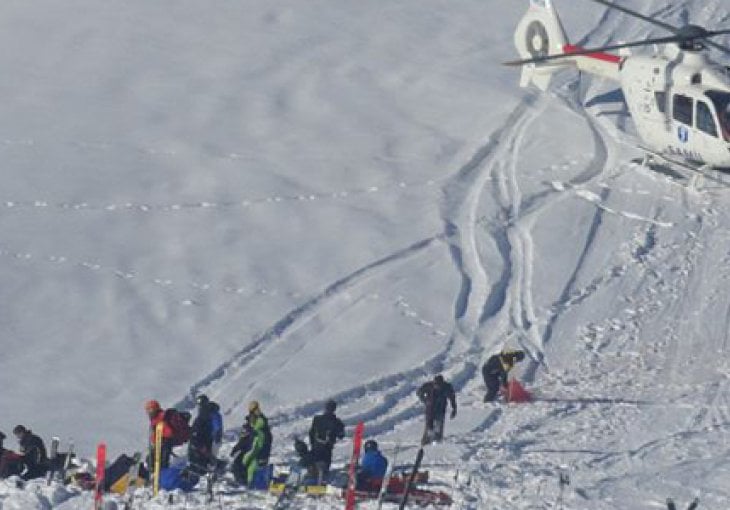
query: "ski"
291, 487
52, 459
132, 477
67, 461
352, 475
158, 457
411, 478
386, 478
100, 465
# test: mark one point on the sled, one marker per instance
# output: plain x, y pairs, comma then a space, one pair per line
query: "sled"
516, 393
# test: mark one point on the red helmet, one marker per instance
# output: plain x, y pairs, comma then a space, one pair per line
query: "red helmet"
152, 405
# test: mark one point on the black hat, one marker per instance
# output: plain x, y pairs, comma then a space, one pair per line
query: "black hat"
370, 445
439, 379
202, 400
19, 429
330, 406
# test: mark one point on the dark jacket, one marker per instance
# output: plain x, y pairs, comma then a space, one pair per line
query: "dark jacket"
245, 440
207, 428
326, 429
34, 455
437, 397
498, 366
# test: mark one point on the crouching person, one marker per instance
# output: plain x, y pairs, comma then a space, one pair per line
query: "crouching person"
32, 453
373, 467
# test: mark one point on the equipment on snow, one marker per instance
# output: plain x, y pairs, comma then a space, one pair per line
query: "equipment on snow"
290, 488
409, 484
514, 392
52, 456
100, 469
159, 428
352, 474
386, 479
692, 506
66, 464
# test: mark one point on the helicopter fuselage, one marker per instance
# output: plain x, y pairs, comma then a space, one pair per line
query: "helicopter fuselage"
680, 105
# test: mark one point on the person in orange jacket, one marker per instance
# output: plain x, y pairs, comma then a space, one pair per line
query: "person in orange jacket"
157, 415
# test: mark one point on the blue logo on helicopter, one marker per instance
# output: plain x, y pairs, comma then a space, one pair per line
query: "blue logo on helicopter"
683, 134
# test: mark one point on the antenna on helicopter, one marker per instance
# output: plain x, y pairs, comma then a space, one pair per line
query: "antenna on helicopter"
689, 38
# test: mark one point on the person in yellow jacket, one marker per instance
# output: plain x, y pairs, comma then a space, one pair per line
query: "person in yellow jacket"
495, 371
258, 454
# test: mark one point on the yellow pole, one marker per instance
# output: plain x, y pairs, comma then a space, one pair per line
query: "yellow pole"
158, 456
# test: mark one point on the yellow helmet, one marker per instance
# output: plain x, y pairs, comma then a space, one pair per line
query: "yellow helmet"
253, 406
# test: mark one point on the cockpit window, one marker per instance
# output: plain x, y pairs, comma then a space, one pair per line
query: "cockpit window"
705, 122
721, 100
682, 109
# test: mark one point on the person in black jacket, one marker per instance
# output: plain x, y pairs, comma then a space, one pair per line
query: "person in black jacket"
326, 429
205, 432
436, 395
495, 371
33, 453
242, 447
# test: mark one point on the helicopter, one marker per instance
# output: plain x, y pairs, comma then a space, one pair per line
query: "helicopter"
678, 97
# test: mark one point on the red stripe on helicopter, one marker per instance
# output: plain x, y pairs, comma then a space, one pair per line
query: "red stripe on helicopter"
606, 57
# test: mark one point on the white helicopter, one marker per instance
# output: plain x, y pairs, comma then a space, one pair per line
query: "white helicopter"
679, 98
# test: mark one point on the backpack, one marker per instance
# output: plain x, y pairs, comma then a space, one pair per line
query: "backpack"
179, 422
216, 423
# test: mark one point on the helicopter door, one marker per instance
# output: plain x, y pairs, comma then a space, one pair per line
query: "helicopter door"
684, 142
709, 134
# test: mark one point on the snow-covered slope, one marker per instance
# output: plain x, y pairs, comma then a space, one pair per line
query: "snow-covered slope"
294, 202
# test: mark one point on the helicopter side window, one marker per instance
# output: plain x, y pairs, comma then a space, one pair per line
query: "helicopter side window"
682, 109
661, 101
705, 121
721, 100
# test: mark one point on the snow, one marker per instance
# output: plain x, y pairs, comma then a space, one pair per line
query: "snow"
291, 203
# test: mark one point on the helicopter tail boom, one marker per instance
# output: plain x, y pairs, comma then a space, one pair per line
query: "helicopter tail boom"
540, 34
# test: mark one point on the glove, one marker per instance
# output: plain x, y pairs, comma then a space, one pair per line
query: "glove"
453, 414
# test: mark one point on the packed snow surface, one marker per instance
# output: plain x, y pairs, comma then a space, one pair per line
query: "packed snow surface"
294, 201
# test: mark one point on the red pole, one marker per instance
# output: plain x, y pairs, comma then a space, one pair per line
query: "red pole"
100, 468
356, 442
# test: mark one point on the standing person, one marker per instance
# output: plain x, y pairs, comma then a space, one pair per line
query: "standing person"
495, 371
157, 415
436, 395
326, 429
206, 434
32, 452
373, 467
258, 454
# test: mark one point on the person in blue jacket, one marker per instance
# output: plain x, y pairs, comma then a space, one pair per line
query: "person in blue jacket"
373, 467
206, 434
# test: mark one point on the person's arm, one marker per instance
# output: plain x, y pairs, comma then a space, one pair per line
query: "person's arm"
422, 393
340, 432
452, 400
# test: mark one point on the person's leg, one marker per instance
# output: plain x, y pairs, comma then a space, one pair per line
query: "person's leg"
438, 428
492, 389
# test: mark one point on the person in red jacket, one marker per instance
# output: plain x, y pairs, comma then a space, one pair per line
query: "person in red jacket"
157, 415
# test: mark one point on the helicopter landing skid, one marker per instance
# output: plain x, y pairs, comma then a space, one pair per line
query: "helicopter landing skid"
694, 176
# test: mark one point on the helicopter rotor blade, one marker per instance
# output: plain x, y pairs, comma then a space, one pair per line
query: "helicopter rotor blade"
587, 51
715, 45
635, 14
